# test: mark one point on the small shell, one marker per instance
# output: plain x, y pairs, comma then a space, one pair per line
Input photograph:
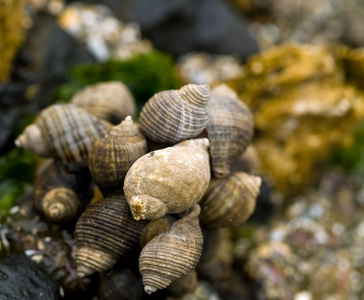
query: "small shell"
105, 232
170, 180
175, 115
111, 101
184, 285
247, 162
58, 195
229, 201
230, 129
172, 254
64, 132
155, 227
113, 155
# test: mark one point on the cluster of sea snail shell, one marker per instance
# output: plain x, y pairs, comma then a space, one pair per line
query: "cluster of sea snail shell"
162, 179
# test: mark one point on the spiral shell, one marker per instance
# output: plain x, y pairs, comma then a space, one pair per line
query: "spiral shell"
111, 101
59, 195
229, 201
230, 129
169, 180
175, 115
172, 254
105, 232
64, 132
113, 155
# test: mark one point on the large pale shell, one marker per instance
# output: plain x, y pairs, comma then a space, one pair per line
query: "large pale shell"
64, 132
169, 180
113, 155
172, 254
105, 232
176, 115
58, 195
230, 129
229, 201
111, 101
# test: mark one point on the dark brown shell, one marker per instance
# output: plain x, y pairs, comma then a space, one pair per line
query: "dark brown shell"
113, 155
229, 201
59, 195
230, 129
172, 254
176, 115
105, 232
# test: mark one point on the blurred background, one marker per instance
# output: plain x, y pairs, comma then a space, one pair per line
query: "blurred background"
298, 65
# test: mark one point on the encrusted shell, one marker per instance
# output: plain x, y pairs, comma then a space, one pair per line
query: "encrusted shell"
230, 129
229, 201
105, 232
113, 155
111, 101
172, 254
59, 195
64, 132
169, 180
176, 115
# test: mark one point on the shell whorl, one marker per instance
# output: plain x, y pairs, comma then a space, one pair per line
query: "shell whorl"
175, 115
32, 139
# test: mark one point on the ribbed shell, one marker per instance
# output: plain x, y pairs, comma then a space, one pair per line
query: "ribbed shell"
105, 232
175, 115
64, 132
58, 195
172, 254
113, 155
170, 180
230, 129
111, 101
229, 201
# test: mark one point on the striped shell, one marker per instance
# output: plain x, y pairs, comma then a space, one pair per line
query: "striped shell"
176, 115
105, 232
172, 254
111, 101
230, 129
169, 180
113, 155
229, 201
64, 132
59, 195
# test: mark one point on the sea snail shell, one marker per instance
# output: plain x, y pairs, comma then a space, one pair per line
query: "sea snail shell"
229, 201
113, 155
105, 232
172, 254
111, 101
176, 115
64, 132
230, 129
169, 180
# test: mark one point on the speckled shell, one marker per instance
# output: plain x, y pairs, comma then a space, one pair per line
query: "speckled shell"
111, 101
169, 180
229, 201
172, 254
64, 132
59, 195
176, 115
105, 232
230, 129
113, 155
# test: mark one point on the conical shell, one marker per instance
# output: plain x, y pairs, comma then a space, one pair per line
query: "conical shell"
176, 115
59, 195
230, 129
229, 201
172, 254
111, 101
169, 180
64, 132
105, 232
113, 155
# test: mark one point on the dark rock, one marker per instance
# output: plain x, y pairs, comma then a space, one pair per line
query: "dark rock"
265, 207
22, 279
